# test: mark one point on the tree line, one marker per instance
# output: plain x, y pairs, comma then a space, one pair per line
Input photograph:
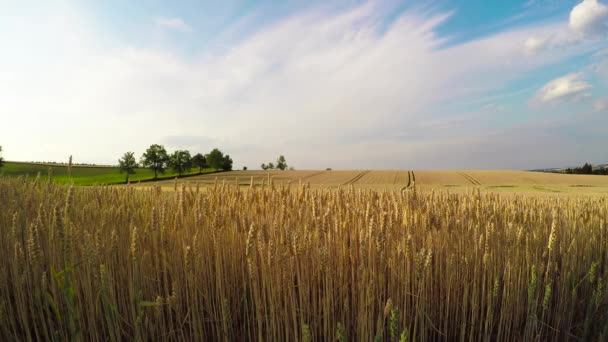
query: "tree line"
280, 165
158, 160
586, 169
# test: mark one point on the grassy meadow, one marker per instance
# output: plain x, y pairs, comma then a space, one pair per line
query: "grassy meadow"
84, 175
269, 263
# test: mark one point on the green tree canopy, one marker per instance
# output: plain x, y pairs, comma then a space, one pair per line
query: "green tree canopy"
199, 161
281, 163
127, 164
180, 161
269, 166
156, 159
215, 159
227, 164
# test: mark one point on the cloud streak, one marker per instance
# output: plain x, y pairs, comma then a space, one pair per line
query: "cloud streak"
176, 24
601, 104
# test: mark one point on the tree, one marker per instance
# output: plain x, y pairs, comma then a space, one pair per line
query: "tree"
281, 163
227, 164
180, 161
199, 161
70, 167
215, 159
127, 164
269, 166
1, 159
156, 159
587, 169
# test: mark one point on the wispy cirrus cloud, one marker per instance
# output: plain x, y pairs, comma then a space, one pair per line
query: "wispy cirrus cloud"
601, 54
176, 24
601, 104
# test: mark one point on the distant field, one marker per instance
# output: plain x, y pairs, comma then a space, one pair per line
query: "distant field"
455, 180
259, 178
512, 181
498, 181
81, 175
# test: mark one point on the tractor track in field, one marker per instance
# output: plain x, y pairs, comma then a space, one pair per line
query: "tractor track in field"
470, 178
356, 178
411, 180
473, 179
312, 175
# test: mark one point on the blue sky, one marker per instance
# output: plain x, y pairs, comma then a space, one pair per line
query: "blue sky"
350, 84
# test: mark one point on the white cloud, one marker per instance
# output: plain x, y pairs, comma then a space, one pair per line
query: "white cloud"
601, 104
588, 21
176, 24
316, 81
566, 87
533, 45
589, 18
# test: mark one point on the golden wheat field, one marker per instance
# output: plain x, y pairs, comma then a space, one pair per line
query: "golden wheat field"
278, 263
454, 180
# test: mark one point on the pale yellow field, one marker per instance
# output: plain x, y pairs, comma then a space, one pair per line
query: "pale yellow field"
455, 180
334, 178
246, 177
512, 181
313, 178
384, 177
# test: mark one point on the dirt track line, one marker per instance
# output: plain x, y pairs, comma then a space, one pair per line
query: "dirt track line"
411, 180
469, 178
356, 178
312, 175
465, 177
473, 179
